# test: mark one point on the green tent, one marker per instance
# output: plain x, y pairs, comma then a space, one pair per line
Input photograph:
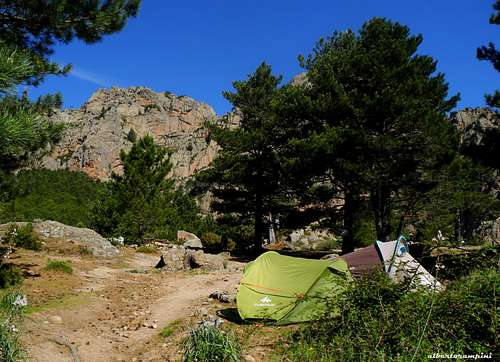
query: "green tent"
290, 290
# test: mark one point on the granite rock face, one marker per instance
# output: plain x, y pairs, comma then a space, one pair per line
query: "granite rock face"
113, 118
474, 124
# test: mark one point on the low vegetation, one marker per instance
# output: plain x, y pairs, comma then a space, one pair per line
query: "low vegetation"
22, 237
170, 329
209, 343
59, 266
381, 320
11, 312
146, 249
10, 275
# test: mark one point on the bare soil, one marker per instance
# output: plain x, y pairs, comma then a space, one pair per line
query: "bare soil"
114, 309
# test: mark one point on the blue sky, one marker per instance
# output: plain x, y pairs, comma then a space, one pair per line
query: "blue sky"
198, 48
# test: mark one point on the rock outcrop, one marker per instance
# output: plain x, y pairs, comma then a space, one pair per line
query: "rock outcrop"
82, 237
474, 125
113, 118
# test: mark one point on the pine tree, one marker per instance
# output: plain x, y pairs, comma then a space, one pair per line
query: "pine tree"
491, 54
23, 130
132, 203
245, 176
379, 110
36, 26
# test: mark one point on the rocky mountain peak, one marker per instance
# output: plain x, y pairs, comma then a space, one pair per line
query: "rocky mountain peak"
113, 118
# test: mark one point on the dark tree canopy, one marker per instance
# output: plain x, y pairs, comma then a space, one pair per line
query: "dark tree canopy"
37, 26
492, 55
381, 109
246, 174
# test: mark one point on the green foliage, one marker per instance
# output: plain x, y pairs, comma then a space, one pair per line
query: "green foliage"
453, 266
245, 176
36, 26
209, 343
11, 315
212, 242
373, 114
170, 328
22, 237
457, 205
143, 203
131, 136
59, 266
23, 131
10, 275
492, 55
146, 249
61, 195
384, 321
328, 244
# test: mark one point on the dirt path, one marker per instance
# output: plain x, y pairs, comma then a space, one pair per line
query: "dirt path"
117, 313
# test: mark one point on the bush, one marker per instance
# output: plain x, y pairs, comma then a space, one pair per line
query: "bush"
59, 266
208, 343
329, 244
380, 320
146, 249
23, 237
212, 242
10, 275
11, 312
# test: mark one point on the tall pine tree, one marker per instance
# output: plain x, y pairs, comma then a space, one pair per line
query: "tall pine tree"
380, 113
245, 176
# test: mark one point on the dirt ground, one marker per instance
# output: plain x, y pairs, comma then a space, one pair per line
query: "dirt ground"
114, 309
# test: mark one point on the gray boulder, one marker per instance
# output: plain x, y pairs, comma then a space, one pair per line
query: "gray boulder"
181, 258
189, 240
84, 237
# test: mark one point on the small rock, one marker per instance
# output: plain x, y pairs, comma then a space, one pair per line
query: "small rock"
248, 358
55, 319
203, 311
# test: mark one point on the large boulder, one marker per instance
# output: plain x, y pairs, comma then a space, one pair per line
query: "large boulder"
178, 257
83, 237
189, 240
199, 259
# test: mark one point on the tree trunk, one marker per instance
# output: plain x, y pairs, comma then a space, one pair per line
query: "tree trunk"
350, 206
259, 222
380, 197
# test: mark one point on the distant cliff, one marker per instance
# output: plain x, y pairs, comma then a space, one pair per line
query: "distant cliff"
113, 118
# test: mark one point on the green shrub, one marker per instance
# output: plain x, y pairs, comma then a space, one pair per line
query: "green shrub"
59, 266
10, 275
212, 242
146, 249
23, 237
380, 320
211, 344
329, 244
11, 313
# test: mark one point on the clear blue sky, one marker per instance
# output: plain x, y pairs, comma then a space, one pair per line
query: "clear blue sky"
198, 48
